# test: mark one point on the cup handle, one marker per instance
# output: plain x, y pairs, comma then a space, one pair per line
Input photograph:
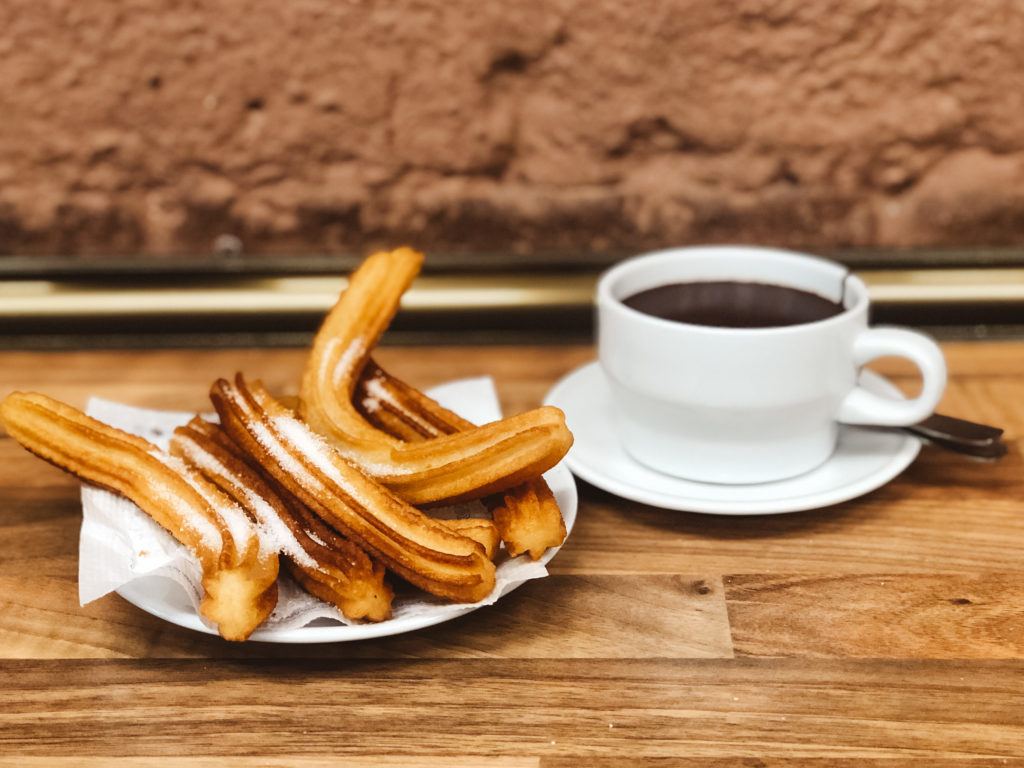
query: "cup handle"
863, 407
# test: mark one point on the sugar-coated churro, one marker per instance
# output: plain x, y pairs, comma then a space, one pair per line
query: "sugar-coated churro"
327, 565
462, 465
416, 547
239, 571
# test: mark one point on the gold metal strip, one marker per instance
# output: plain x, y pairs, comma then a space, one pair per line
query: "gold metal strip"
945, 286
38, 299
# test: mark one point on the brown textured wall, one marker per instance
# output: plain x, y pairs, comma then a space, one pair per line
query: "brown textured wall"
312, 125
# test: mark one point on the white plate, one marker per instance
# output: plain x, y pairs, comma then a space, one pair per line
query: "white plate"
476, 400
165, 599
865, 459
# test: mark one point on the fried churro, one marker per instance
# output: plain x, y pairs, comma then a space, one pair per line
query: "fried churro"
463, 465
527, 516
239, 571
327, 565
416, 547
482, 531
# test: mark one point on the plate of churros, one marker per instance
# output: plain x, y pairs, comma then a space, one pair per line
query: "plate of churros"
341, 497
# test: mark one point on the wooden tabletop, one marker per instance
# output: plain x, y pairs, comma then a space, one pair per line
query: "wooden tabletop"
888, 630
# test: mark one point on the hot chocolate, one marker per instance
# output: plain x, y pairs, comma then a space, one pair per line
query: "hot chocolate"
733, 304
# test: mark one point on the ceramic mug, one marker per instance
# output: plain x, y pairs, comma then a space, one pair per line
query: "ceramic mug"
748, 405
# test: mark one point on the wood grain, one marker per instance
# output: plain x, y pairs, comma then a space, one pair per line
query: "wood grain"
288, 761
886, 631
545, 708
975, 616
451, 761
945, 514
780, 762
559, 617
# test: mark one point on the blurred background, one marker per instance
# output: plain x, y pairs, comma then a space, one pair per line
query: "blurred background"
208, 169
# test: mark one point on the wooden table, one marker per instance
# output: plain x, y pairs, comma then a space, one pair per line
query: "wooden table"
885, 631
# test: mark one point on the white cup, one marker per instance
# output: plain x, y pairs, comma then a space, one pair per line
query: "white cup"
748, 405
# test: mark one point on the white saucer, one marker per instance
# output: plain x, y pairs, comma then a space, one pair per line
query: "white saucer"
865, 459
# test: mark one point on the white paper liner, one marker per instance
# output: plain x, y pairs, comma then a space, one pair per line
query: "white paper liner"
120, 543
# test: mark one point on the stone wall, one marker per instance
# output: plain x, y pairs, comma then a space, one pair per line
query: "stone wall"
333, 125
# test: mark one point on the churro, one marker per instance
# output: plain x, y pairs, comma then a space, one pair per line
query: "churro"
482, 531
527, 516
327, 565
416, 547
239, 571
454, 467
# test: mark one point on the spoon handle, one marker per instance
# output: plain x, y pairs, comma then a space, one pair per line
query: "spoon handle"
948, 428
962, 436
